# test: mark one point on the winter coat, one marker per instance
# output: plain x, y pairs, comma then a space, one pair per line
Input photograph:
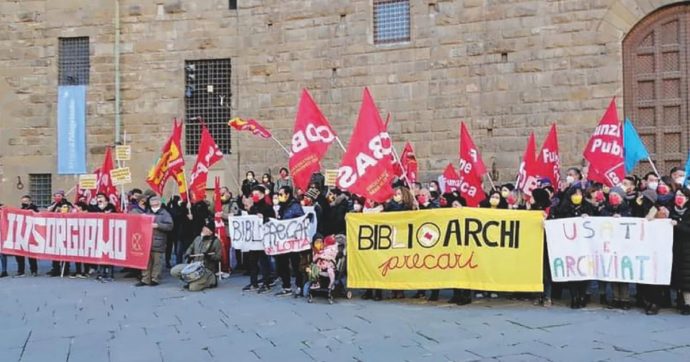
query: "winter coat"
680, 277
55, 207
280, 183
336, 217
264, 209
395, 206
623, 210
248, 186
200, 246
31, 207
165, 225
290, 210
200, 213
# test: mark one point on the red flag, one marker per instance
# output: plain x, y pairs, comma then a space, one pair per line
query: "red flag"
367, 166
311, 138
409, 164
548, 161
209, 154
451, 179
604, 150
221, 232
250, 125
105, 184
527, 178
472, 169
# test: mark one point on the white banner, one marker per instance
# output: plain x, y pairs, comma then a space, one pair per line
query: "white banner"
274, 237
614, 249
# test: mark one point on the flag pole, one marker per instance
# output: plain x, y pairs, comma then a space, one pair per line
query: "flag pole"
493, 187
340, 143
653, 167
281, 145
395, 153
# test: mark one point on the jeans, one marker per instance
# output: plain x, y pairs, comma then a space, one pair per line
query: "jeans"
258, 261
21, 265
285, 262
3, 262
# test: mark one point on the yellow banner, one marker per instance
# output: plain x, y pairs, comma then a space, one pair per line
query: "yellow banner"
468, 248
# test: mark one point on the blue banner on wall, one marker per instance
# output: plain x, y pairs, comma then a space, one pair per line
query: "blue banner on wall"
71, 130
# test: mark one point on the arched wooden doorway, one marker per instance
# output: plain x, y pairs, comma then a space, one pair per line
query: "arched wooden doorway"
656, 59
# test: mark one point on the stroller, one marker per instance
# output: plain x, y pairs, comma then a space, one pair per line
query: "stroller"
327, 270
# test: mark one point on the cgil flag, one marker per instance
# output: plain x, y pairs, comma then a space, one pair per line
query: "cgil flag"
407, 167
250, 125
451, 179
527, 178
311, 138
633, 147
548, 160
209, 154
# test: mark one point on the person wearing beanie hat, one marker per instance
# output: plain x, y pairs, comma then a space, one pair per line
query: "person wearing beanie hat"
162, 224
206, 249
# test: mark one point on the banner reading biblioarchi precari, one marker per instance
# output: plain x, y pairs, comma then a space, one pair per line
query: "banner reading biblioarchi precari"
470, 248
613, 249
110, 239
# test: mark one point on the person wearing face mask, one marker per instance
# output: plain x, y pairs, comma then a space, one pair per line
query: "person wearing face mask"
283, 180
338, 204
402, 201
162, 224
257, 260
617, 206
506, 189
267, 182
248, 184
678, 177
595, 198
27, 204
680, 276
105, 272
494, 201
59, 201
573, 205
665, 192
205, 248
651, 181
289, 209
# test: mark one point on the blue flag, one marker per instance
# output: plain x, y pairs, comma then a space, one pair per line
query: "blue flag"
634, 149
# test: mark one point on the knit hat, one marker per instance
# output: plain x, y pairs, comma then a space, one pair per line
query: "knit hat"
210, 224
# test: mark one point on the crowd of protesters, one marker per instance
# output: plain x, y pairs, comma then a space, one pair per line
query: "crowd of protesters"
183, 233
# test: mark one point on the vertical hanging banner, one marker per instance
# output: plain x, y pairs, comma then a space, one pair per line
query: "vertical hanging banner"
71, 128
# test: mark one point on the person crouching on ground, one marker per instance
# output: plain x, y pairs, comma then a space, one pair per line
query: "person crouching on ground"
206, 249
162, 224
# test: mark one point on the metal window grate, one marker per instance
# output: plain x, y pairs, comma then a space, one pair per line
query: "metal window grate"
207, 95
40, 188
73, 61
391, 21
233, 5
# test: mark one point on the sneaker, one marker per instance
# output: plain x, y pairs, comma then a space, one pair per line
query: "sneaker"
249, 288
297, 292
34, 274
140, 284
285, 291
154, 283
82, 276
494, 295
479, 295
548, 303
685, 310
73, 276
264, 289
20, 275
4, 274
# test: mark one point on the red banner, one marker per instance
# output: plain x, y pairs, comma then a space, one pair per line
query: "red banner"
409, 168
105, 184
548, 161
310, 140
604, 150
451, 179
367, 166
472, 169
92, 238
527, 177
209, 154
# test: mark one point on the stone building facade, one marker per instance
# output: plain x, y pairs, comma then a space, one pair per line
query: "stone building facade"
506, 67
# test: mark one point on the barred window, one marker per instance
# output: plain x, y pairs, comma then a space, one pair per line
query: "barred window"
40, 189
391, 21
73, 61
232, 5
207, 97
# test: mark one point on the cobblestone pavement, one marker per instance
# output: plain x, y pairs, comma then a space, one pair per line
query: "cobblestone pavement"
53, 319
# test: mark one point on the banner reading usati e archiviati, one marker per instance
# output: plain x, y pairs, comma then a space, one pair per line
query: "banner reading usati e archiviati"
481, 249
613, 249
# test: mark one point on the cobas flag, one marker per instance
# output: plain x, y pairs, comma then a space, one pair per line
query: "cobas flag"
367, 166
548, 160
604, 150
472, 169
311, 138
209, 154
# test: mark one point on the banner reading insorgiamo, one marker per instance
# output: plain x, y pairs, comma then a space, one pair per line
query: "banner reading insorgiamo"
623, 249
275, 237
471, 248
110, 239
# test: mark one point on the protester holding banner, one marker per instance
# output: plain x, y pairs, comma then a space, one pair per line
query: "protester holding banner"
27, 204
257, 259
60, 204
541, 201
103, 205
162, 224
290, 208
617, 206
680, 277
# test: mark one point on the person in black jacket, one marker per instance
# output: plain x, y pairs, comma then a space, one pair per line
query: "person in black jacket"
267, 182
27, 204
402, 201
248, 184
257, 259
339, 204
290, 208
617, 206
60, 204
680, 277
